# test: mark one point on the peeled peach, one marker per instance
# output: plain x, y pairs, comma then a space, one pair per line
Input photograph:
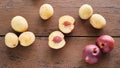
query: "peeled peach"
19, 24
46, 11
97, 21
85, 11
27, 38
11, 40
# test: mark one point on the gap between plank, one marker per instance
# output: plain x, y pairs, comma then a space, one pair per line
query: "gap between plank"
70, 36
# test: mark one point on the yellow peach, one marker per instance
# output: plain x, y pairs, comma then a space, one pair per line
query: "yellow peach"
97, 21
46, 11
11, 40
19, 24
27, 38
85, 11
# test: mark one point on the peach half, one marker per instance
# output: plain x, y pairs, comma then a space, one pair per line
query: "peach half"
56, 40
66, 24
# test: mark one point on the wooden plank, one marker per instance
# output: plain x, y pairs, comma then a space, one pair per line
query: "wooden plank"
29, 9
39, 55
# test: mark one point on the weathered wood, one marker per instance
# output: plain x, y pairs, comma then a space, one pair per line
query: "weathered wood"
110, 9
39, 55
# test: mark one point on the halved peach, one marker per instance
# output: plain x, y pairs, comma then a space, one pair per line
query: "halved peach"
66, 23
56, 40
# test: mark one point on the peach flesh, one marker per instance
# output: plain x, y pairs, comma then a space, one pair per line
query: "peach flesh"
66, 23
57, 39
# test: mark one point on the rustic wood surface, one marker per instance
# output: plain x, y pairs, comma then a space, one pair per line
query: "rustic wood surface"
39, 55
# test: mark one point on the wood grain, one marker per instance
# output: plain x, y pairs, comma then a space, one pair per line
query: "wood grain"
30, 8
39, 55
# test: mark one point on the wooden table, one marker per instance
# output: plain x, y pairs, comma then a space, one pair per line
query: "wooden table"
39, 55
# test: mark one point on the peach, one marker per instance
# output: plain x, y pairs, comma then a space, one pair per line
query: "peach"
97, 21
91, 54
11, 40
106, 43
27, 38
19, 24
66, 23
56, 40
46, 11
85, 11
